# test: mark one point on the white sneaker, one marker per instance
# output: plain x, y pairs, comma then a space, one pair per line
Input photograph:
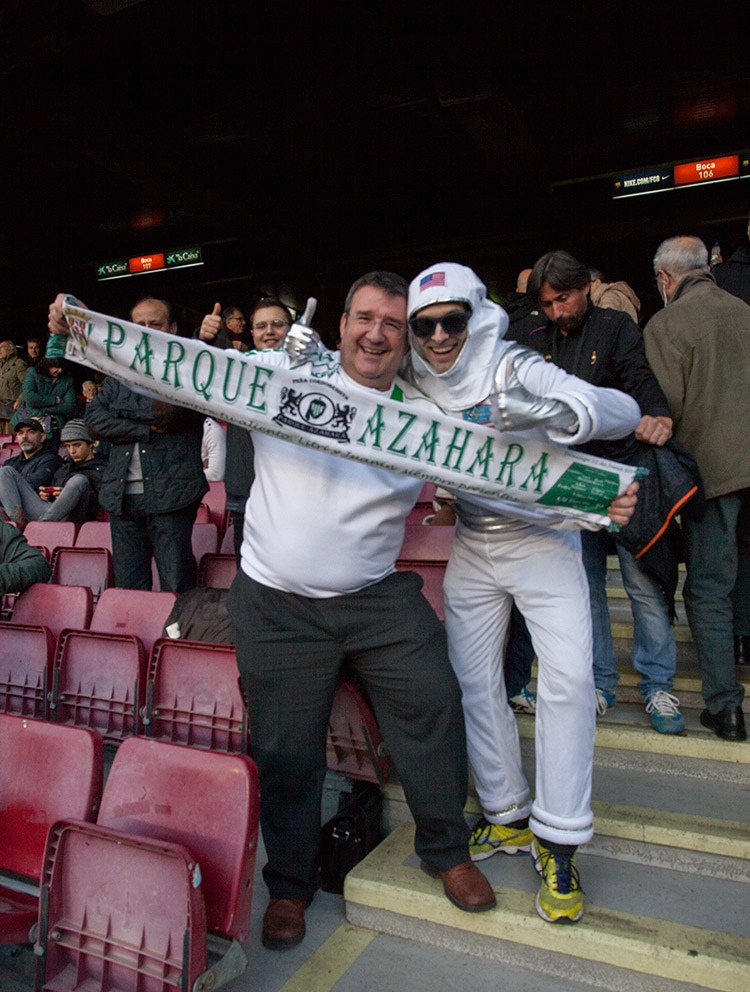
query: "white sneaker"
524, 701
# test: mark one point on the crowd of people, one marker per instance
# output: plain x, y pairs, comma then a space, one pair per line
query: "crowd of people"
317, 538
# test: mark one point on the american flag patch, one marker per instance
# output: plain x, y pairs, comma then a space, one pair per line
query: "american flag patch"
433, 279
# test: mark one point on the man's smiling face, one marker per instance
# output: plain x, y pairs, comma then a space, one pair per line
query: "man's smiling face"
373, 337
440, 349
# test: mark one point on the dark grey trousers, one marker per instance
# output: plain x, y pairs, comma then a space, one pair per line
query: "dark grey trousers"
290, 650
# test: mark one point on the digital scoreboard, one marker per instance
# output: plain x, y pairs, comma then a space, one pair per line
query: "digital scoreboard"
121, 268
706, 170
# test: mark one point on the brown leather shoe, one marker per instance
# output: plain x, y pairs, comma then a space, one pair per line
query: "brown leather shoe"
284, 924
465, 886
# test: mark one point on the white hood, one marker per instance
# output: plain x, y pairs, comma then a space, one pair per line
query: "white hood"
470, 379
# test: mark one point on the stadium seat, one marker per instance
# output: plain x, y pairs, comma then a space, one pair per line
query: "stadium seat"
50, 534
217, 571
5, 454
216, 499
118, 913
94, 534
354, 747
426, 543
203, 516
194, 696
133, 611
427, 494
433, 573
227, 542
99, 681
47, 773
205, 801
57, 607
417, 515
90, 567
26, 657
205, 540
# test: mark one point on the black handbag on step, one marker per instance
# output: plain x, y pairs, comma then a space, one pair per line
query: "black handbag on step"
349, 835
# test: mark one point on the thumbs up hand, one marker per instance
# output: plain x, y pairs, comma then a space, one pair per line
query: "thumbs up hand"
211, 324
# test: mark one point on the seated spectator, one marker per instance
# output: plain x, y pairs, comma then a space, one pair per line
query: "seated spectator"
20, 564
36, 463
73, 492
89, 390
48, 394
213, 450
34, 350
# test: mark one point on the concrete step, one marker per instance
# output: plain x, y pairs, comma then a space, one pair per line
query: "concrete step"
638, 919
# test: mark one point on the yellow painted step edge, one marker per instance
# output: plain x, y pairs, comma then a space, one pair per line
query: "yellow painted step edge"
730, 838
648, 946
625, 737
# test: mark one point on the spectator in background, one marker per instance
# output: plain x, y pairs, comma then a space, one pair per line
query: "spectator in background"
48, 395
72, 492
36, 463
613, 295
734, 274
89, 390
20, 564
154, 480
213, 450
34, 350
699, 348
605, 348
270, 319
12, 374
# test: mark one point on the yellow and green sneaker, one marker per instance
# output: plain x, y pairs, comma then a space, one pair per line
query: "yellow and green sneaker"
489, 838
560, 896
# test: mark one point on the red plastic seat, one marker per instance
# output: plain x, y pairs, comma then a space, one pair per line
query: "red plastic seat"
47, 773
427, 494
94, 534
194, 696
99, 681
418, 514
5, 454
203, 515
26, 656
90, 567
433, 573
50, 534
217, 571
133, 611
119, 913
57, 607
216, 500
426, 543
354, 746
207, 802
227, 542
205, 540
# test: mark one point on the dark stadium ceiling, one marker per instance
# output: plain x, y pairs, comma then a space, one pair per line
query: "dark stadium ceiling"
346, 133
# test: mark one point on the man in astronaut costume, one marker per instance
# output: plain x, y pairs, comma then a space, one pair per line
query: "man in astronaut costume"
503, 552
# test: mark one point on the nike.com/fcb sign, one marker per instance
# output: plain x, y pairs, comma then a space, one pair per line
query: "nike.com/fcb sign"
121, 268
706, 170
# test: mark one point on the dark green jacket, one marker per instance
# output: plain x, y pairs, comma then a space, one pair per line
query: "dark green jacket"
20, 564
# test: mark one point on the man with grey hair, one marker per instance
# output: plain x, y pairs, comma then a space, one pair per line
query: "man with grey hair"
12, 372
699, 348
734, 274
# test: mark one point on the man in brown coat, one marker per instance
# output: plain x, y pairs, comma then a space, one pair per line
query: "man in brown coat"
12, 371
699, 348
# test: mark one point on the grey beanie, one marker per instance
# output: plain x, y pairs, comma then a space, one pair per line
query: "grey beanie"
75, 430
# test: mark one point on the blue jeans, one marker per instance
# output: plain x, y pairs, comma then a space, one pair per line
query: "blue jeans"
71, 504
711, 548
654, 648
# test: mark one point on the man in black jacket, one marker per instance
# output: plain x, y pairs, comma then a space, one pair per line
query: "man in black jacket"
734, 274
36, 464
154, 481
605, 347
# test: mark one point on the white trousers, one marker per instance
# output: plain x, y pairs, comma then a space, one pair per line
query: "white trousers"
541, 570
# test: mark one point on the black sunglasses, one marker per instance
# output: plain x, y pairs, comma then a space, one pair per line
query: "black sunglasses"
452, 323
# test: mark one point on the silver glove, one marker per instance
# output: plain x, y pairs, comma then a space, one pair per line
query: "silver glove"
301, 340
517, 409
